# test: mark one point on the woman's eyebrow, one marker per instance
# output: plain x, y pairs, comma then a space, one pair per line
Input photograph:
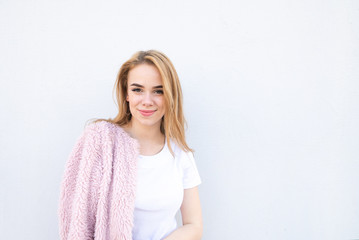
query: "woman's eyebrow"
139, 85
136, 85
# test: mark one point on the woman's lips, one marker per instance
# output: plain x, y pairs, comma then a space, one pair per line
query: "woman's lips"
147, 113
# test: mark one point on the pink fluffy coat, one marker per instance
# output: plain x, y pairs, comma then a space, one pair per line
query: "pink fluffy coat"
97, 194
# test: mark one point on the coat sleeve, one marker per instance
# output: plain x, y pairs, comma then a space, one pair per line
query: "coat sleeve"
80, 188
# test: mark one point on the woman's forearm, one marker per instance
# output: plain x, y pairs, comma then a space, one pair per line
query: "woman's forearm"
186, 232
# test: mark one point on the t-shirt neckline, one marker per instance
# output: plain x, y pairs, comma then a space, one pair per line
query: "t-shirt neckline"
157, 154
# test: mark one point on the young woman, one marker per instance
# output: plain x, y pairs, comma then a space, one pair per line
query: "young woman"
127, 177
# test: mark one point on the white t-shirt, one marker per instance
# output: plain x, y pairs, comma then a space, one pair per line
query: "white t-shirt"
161, 180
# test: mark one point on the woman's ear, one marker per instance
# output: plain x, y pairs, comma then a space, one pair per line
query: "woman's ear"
127, 98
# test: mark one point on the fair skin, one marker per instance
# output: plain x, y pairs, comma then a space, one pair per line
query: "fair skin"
191, 217
147, 106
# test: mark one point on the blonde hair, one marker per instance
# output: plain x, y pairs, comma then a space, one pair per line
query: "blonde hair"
173, 121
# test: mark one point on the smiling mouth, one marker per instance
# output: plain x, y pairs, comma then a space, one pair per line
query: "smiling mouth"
147, 113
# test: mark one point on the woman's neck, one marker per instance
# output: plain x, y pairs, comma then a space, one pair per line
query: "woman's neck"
143, 132
150, 138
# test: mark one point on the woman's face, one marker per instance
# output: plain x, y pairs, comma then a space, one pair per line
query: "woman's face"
145, 95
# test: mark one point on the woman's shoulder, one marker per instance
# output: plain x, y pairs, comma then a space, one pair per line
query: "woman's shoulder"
103, 127
108, 130
180, 153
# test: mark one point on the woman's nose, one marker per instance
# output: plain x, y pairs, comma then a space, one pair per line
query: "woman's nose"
147, 99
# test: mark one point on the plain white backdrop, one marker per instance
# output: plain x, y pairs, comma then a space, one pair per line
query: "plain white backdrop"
271, 99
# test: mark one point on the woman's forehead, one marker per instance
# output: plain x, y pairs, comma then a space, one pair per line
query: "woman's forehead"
145, 74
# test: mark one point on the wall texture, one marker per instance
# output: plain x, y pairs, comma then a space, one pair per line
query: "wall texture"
271, 97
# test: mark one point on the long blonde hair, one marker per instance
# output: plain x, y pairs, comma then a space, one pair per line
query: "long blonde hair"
173, 122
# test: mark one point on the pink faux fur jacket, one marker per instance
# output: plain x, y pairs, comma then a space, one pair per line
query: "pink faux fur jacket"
97, 194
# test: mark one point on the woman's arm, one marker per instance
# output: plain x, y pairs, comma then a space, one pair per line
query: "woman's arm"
191, 217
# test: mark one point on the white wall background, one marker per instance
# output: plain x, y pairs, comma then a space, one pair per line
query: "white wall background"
271, 97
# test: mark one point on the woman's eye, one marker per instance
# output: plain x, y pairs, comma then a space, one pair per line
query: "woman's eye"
136, 90
159, 92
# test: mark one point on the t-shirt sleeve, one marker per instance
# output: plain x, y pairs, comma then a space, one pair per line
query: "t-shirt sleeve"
191, 176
